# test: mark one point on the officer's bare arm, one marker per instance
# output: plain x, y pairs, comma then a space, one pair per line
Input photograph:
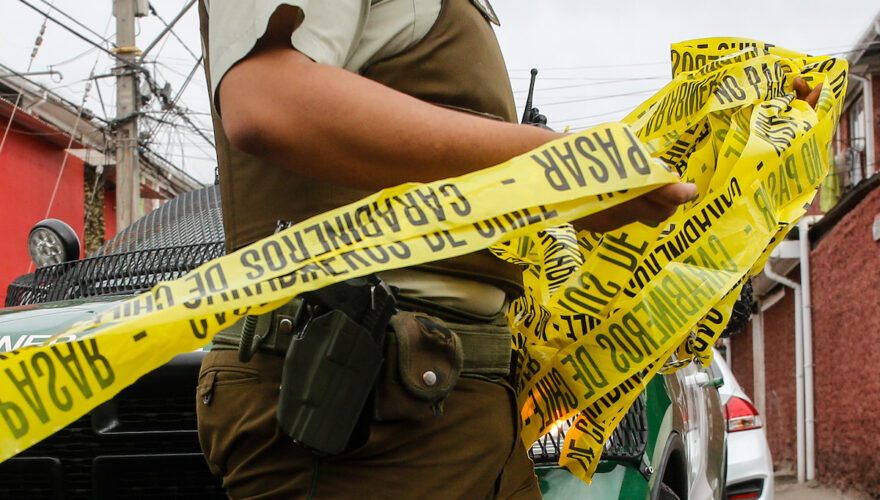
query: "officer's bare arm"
335, 125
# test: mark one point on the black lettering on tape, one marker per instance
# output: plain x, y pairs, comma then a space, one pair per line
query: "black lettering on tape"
387, 214
437, 240
583, 456
339, 233
199, 327
27, 389
609, 146
99, 364
584, 298
462, 206
680, 297
197, 290
762, 201
429, 199
586, 372
15, 418
354, 260
620, 363
71, 364
717, 246
637, 159
411, 210
597, 169
249, 259
31, 387
552, 173
319, 236
377, 254
367, 224
629, 254
296, 248
43, 364
273, 256
163, 296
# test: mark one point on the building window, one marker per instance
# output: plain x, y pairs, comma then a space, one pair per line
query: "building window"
855, 161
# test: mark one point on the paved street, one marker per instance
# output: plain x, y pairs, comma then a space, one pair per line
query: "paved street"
787, 488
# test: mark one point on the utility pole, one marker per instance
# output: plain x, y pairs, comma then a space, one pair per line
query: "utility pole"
127, 166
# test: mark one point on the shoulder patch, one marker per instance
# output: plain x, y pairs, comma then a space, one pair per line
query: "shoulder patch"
488, 12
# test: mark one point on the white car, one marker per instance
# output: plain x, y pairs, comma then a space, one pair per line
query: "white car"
749, 464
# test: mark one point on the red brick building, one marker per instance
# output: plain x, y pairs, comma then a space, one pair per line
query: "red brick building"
57, 163
841, 315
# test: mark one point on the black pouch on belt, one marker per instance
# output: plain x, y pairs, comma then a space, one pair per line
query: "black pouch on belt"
423, 361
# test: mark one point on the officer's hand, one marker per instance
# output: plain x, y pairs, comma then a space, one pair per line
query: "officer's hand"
803, 92
652, 207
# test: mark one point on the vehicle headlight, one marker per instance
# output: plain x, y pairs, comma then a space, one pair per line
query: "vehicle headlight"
52, 241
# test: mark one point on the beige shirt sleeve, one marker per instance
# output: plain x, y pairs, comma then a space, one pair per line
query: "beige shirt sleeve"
343, 33
327, 33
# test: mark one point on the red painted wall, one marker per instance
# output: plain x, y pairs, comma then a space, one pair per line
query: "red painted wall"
845, 277
29, 168
109, 213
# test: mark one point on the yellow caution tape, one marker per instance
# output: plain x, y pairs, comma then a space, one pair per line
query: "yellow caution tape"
602, 313
729, 123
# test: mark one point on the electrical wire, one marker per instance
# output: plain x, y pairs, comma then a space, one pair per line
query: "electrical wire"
169, 28
74, 58
103, 38
176, 98
37, 42
593, 84
70, 142
601, 97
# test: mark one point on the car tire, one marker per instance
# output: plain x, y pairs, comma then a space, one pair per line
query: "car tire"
666, 493
67, 237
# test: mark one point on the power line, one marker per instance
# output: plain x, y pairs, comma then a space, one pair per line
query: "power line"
75, 21
74, 58
174, 101
595, 84
600, 97
597, 66
169, 28
591, 78
79, 35
37, 42
606, 113
72, 132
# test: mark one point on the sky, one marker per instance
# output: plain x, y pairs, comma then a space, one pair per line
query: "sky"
596, 60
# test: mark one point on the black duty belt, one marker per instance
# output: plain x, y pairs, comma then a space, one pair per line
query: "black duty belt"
486, 346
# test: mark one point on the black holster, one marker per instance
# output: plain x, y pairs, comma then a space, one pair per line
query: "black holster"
333, 361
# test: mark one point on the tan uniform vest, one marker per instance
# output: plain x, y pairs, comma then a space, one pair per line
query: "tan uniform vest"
458, 64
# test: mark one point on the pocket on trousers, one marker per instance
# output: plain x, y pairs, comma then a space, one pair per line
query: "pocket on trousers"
219, 376
214, 421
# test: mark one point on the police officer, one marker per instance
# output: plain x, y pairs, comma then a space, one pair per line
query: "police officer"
316, 104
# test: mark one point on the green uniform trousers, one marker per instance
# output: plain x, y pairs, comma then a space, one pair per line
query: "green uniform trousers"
471, 451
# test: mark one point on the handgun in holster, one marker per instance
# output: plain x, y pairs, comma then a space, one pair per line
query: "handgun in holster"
333, 362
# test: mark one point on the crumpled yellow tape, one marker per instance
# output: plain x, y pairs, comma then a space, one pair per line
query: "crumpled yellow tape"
603, 313
518, 208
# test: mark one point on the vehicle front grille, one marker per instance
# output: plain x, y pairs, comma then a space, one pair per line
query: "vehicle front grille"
115, 274
141, 444
627, 442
